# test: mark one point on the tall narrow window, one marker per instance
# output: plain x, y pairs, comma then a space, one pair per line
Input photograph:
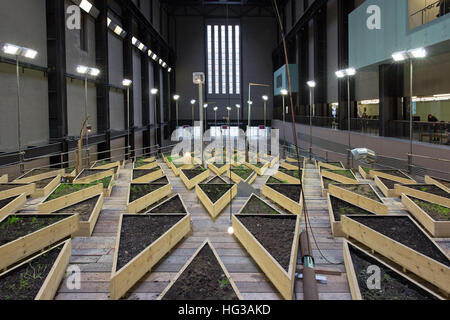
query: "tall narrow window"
84, 32
224, 57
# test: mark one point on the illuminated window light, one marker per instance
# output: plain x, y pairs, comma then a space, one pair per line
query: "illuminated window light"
399, 56
94, 72
311, 84
126, 82
11, 49
418, 53
86, 5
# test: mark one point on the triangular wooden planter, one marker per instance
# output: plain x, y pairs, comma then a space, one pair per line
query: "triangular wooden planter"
70, 199
388, 175
443, 201
124, 279
219, 171
388, 189
214, 209
146, 201
147, 178
359, 200
331, 165
225, 272
353, 279
336, 225
441, 183
108, 165
283, 176
4, 178
93, 175
86, 228
293, 165
25, 246
438, 229
324, 172
14, 189
238, 179
38, 174
15, 204
55, 275
106, 190
363, 173
213, 180
45, 189
258, 198
283, 280
149, 159
259, 171
191, 183
283, 201
325, 187
423, 266
177, 196
148, 165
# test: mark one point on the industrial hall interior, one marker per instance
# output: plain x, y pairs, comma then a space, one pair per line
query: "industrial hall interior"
243, 150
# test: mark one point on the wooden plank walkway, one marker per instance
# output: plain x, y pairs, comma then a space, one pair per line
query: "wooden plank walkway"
94, 255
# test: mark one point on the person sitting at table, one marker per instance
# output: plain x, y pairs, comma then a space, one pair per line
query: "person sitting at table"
433, 120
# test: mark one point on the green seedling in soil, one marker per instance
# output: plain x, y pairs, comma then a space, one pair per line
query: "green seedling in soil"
224, 282
366, 169
65, 189
443, 212
424, 189
13, 220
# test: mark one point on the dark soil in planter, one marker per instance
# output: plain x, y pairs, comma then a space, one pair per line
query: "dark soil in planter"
393, 286
162, 180
336, 164
429, 188
327, 182
403, 230
6, 201
437, 212
89, 172
396, 173
84, 208
390, 184
219, 165
143, 172
174, 205
362, 189
273, 180
139, 232
25, 282
292, 191
243, 172
140, 163
257, 206
366, 169
9, 186
217, 180
344, 173
41, 184
17, 226
64, 189
138, 191
293, 173
215, 191
295, 163
103, 162
343, 208
192, 173
444, 182
35, 172
106, 181
275, 233
203, 279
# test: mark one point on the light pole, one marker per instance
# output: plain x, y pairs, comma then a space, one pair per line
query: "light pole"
350, 72
418, 53
205, 109
238, 109
284, 93
17, 51
176, 98
265, 99
154, 93
193, 104
311, 84
127, 83
215, 120
93, 72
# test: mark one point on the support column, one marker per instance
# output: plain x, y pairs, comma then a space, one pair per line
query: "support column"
303, 65
145, 80
57, 88
320, 62
102, 62
391, 91
157, 120
128, 74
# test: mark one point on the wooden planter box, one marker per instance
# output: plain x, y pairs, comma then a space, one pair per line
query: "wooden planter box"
293, 165
55, 276
283, 201
419, 264
283, 280
25, 246
437, 182
155, 175
125, 278
13, 206
149, 199
45, 191
4, 178
399, 189
38, 176
219, 171
290, 179
438, 229
149, 165
353, 280
259, 171
110, 165
331, 166
259, 198
214, 209
70, 199
337, 177
238, 179
388, 192
336, 226
190, 184
363, 173
380, 173
225, 271
358, 200
19, 188
272, 160
85, 228
149, 160
325, 190
177, 171
101, 173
